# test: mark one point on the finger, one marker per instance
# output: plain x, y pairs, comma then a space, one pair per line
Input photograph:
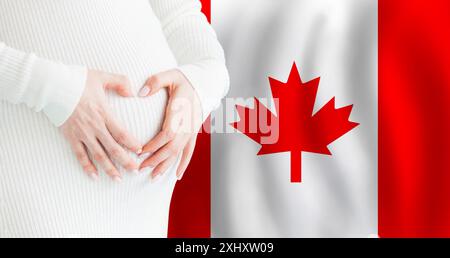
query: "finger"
161, 139
171, 149
121, 135
116, 152
100, 156
83, 158
120, 84
157, 82
156, 158
163, 167
186, 157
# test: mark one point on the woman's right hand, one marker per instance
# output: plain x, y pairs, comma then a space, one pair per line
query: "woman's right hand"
92, 128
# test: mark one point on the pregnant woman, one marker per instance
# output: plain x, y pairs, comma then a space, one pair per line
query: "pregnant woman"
96, 97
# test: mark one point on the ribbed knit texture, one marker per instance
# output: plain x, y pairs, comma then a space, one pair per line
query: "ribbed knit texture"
43, 190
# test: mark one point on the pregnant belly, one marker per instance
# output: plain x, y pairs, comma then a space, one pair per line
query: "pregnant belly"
43, 190
45, 193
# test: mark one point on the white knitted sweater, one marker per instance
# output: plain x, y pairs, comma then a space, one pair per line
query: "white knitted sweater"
46, 47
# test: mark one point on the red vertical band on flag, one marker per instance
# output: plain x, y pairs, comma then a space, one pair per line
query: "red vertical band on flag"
414, 118
296, 166
206, 9
190, 211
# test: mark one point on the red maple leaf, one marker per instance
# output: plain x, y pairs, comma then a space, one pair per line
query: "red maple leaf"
298, 129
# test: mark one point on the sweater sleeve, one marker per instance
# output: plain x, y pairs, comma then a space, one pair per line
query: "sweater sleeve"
195, 45
43, 85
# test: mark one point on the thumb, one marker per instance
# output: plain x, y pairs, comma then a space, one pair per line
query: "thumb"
156, 83
120, 84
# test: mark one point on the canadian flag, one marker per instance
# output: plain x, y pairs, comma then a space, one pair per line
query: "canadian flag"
337, 123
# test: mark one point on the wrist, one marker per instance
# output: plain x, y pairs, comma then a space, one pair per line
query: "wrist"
60, 89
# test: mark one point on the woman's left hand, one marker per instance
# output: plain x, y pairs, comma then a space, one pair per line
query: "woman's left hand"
183, 120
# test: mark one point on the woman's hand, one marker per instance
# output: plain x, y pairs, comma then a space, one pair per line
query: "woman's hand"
92, 127
182, 122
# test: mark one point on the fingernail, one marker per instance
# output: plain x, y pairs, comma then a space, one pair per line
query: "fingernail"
117, 179
139, 151
93, 176
155, 178
132, 167
90, 169
144, 91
